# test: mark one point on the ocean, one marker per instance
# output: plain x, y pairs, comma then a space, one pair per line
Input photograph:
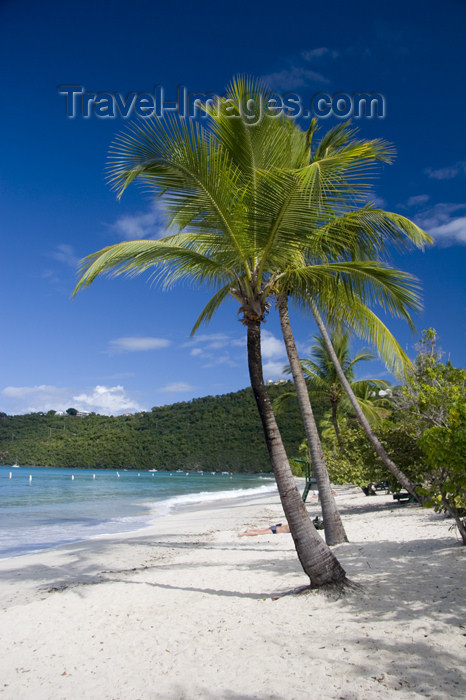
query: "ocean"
45, 507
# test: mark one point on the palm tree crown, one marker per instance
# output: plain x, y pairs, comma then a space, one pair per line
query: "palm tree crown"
256, 207
324, 382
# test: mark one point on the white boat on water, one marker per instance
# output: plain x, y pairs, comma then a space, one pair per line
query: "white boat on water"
15, 466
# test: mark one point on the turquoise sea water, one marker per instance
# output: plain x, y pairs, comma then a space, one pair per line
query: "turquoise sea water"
45, 507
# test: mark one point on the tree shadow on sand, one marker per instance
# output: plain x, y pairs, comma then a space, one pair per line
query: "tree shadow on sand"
392, 575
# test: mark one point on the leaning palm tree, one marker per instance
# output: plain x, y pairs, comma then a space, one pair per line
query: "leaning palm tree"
363, 321
333, 526
242, 210
373, 439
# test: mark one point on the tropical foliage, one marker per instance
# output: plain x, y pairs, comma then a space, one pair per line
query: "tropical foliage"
324, 385
434, 405
425, 435
356, 461
213, 433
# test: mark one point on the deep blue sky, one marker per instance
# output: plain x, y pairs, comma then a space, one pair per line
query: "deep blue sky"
120, 345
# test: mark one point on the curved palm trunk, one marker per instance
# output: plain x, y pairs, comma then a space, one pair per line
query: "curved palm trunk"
317, 560
373, 439
333, 526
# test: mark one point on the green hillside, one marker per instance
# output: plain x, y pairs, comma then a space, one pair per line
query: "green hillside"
214, 432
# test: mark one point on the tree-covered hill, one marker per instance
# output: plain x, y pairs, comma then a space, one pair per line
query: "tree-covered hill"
214, 432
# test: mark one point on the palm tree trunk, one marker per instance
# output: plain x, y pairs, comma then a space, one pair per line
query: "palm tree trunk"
335, 424
381, 453
317, 560
333, 526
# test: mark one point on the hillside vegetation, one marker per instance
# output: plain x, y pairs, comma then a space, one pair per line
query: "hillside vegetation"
214, 432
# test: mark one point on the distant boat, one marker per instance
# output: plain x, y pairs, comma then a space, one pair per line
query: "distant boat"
15, 466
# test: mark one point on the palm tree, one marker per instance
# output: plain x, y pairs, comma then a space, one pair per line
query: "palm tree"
243, 210
338, 232
359, 234
363, 321
220, 201
324, 383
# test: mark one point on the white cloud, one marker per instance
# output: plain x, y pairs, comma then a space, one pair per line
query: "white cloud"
299, 72
273, 370
207, 348
294, 77
440, 221
106, 400
42, 398
273, 355
208, 345
25, 391
453, 231
216, 344
136, 344
272, 348
447, 173
219, 360
51, 276
418, 200
65, 254
150, 224
378, 202
321, 52
210, 339
176, 387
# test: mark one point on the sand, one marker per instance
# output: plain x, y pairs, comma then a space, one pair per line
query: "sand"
186, 609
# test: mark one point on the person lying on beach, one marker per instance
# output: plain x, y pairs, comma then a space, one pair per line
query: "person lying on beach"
277, 529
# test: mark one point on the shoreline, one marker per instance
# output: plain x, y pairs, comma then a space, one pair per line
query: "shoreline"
146, 512
186, 609
154, 519
187, 520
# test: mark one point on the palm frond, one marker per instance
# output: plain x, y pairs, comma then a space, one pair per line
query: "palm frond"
211, 307
283, 401
182, 162
364, 323
173, 262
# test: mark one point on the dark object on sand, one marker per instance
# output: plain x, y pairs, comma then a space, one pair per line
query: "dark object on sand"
404, 497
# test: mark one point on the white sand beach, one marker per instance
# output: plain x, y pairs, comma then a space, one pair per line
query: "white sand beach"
187, 610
